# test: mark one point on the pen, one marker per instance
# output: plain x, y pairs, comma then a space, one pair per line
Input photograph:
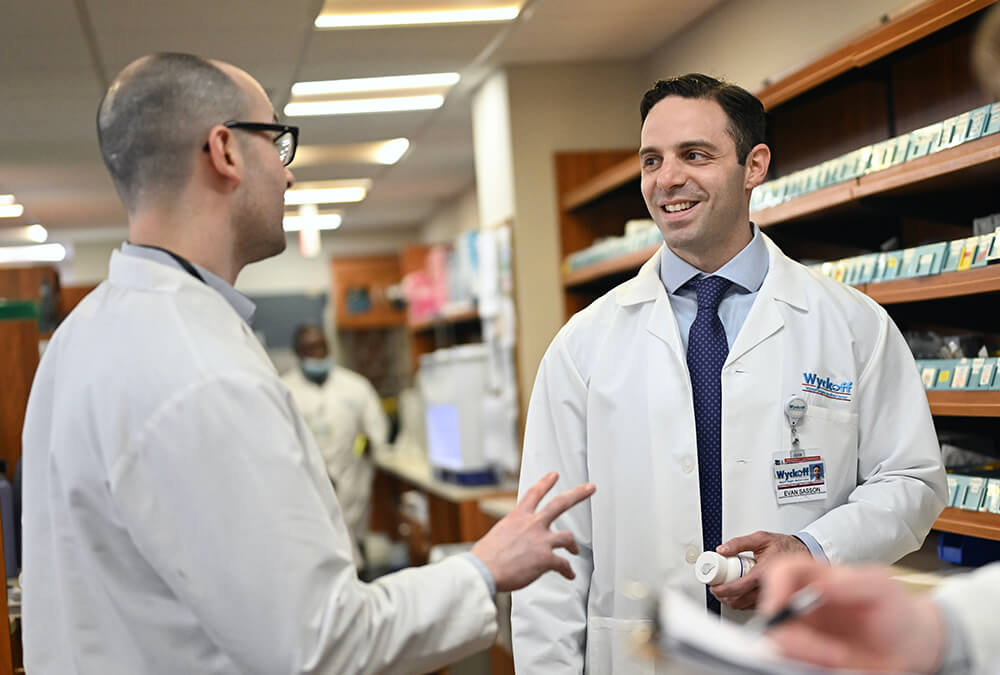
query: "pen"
803, 601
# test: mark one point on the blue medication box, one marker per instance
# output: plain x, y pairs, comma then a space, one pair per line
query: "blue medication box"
964, 550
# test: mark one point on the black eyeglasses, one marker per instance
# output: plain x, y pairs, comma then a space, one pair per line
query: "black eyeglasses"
286, 141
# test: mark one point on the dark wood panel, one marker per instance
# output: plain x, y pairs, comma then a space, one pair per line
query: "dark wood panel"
933, 80
911, 27
835, 119
18, 362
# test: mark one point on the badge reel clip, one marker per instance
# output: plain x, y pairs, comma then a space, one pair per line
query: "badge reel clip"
795, 413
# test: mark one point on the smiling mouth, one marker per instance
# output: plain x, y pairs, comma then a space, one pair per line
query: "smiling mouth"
678, 207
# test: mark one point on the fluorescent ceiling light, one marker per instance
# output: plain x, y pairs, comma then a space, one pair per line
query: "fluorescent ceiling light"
37, 233
364, 105
391, 151
326, 195
322, 221
37, 253
359, 84
481, 15
6, 199
11, 210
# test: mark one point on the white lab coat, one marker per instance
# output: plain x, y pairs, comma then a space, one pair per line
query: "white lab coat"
337, 411
178, 517
612, 404
972, 600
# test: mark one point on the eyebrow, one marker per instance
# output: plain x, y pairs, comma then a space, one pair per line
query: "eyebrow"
684, 145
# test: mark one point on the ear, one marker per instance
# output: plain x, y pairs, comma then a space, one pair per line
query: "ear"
757, 162
224, 156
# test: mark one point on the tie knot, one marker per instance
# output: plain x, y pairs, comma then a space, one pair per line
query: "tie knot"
710, 291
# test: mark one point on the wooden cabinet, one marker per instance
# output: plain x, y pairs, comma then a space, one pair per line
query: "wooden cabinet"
360, 294
905, 74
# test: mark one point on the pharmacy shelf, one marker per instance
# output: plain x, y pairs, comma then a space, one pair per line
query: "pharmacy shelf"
934, 287
975, 162
469, 316
609, 267
971, 523
980, 158
961, 403
602, 183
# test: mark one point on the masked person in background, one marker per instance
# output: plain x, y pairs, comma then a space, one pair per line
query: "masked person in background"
345, 415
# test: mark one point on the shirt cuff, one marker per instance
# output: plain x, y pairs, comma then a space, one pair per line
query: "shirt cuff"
956, 658
484, 572
814, 548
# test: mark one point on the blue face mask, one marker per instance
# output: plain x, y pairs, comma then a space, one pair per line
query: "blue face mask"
317, 369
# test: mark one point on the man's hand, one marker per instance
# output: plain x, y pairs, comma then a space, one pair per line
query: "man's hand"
742, 593
519, 548
866, 621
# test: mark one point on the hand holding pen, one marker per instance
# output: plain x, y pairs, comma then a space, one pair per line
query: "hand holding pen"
849, 617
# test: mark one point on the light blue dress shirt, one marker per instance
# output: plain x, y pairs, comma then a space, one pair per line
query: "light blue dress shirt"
746, 270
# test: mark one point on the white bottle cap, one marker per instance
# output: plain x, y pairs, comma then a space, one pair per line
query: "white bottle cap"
710, 568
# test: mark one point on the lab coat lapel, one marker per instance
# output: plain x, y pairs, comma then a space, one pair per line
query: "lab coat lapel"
647, 287
765, 318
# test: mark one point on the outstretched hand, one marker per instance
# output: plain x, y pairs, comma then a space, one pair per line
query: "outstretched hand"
520, 548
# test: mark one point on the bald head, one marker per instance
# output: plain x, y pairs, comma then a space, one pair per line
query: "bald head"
155, 117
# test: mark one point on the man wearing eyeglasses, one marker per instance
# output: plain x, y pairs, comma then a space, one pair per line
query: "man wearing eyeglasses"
177, 513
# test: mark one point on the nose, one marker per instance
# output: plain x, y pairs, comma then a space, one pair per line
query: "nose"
671, 174
289, 178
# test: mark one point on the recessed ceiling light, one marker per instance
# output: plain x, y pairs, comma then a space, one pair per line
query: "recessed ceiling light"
376, 152
391, 151
36, 253
6, 199
328, 191
364, 105
480, 15
11, 210
320, 221
37, 233
359, 84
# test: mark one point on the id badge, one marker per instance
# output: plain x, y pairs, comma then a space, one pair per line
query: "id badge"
799, 479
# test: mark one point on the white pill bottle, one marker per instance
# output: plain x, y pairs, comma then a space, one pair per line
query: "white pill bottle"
714, 569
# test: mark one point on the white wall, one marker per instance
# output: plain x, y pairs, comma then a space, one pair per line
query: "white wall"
749, 41
582, 106
457, 215
492, 149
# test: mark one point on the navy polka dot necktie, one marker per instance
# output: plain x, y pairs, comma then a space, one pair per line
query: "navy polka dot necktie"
706, 353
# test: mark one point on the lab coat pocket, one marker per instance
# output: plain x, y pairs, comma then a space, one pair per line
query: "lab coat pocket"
834, 435
611, 649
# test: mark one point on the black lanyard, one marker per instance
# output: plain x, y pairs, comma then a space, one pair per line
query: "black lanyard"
188, 267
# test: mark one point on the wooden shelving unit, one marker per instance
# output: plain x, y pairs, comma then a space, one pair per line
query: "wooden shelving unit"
938, 286
610, 267
971, 523
442, 321
961, 403
908, 73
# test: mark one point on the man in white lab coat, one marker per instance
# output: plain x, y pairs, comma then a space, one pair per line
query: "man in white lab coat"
345, 416
797, 370
177, 514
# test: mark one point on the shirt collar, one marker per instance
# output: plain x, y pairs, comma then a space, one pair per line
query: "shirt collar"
746, 269
243, 305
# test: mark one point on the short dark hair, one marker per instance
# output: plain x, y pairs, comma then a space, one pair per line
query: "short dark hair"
747, 120
301, 330
155, 114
